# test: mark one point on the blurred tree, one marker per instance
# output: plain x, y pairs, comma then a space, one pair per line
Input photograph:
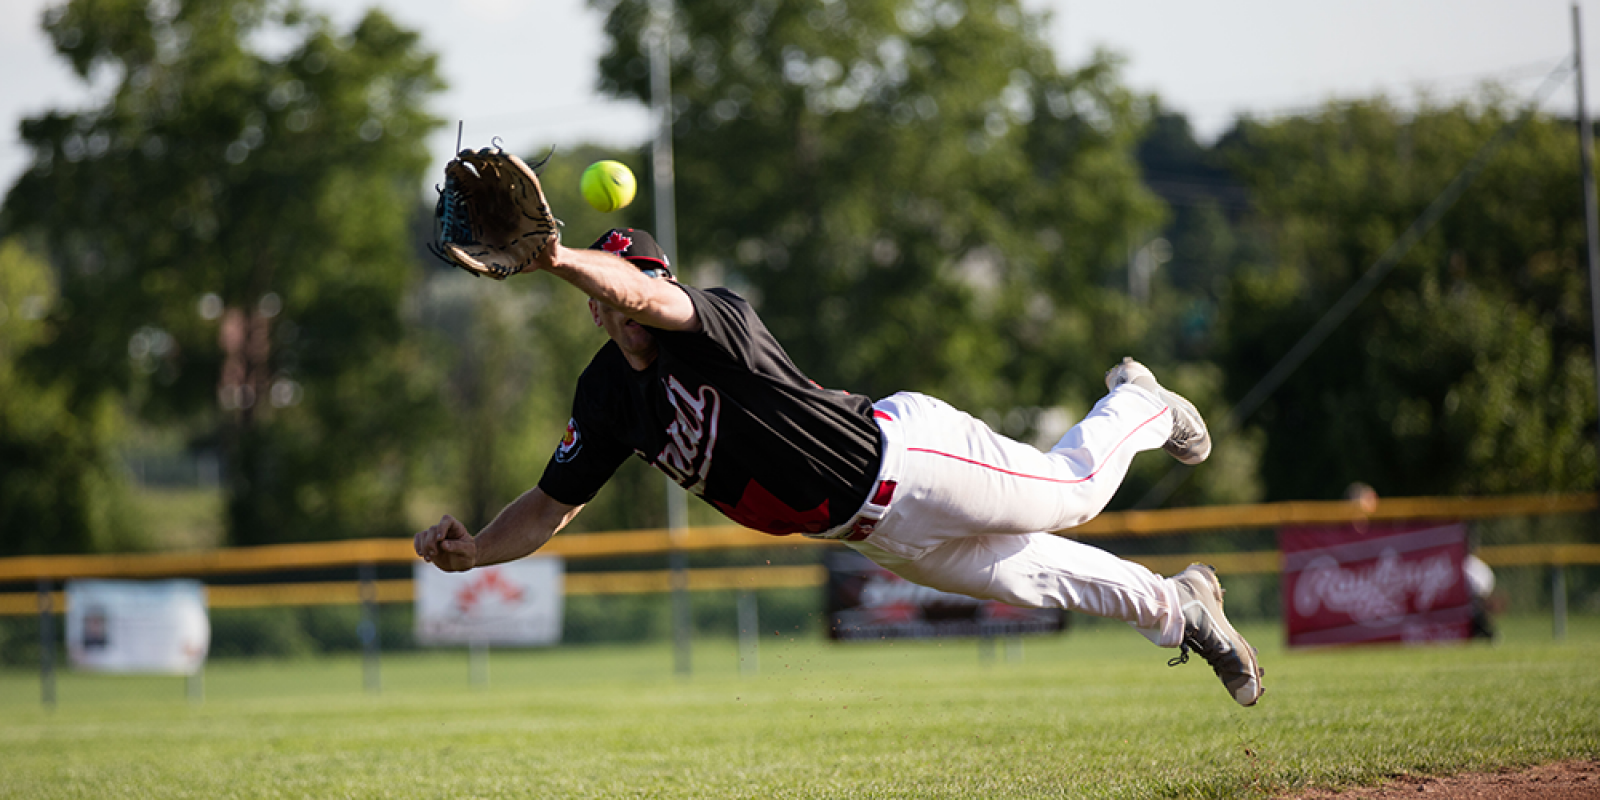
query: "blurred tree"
1469, 369
913, 192
1185, 268
229, 236
1202, 244
60, 491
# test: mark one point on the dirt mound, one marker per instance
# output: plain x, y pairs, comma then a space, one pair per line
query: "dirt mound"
1569, 780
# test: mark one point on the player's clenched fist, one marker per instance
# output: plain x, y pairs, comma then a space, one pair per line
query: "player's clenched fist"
448, 546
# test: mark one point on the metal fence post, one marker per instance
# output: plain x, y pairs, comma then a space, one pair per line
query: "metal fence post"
367, 630
194, 685
682, 614
1558, 600
678, 564
47, 646
985, 649
749, 634
1014, 648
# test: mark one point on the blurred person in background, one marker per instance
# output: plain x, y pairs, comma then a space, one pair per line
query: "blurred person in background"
1478, 574
1480, 585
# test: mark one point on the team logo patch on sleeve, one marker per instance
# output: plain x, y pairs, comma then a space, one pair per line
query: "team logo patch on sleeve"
570, 443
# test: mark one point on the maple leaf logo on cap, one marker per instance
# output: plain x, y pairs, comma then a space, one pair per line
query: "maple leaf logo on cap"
616, 243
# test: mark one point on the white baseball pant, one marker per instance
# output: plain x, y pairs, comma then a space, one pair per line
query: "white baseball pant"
970, 511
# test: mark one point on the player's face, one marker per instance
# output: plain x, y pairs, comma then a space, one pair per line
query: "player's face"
637, 345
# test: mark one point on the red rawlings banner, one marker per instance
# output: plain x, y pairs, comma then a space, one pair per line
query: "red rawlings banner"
1380, 582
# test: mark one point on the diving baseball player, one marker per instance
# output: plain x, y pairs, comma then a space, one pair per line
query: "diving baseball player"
692, 382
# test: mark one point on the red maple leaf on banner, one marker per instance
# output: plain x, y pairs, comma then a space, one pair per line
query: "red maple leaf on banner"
489, 583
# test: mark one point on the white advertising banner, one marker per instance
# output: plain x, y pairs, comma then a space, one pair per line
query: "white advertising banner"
508, 604
137, 626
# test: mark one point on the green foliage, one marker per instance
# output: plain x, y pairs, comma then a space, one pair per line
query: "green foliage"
243, 633
60, 491
643, 618
915, 195
176, 519
229, 236
1470, 369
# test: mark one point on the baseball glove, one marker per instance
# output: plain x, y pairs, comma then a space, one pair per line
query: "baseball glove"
492, 218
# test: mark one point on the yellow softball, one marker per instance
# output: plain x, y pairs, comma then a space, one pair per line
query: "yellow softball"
608, 185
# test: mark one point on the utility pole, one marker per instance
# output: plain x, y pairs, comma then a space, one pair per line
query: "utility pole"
660, 36
1591, 216
1591, 228
660, 42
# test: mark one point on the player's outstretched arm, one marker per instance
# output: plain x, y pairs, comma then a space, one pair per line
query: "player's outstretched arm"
610, 279
521, 528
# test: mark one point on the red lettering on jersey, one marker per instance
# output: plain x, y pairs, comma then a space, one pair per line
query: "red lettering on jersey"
761, 510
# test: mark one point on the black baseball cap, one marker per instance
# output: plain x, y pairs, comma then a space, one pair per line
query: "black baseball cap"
638, 247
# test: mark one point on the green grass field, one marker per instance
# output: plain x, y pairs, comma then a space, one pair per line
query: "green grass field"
1094, 713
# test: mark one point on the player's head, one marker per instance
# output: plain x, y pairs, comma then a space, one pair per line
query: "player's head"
638, 247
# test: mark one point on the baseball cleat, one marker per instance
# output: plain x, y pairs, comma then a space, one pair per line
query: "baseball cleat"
1207, 632
1190, 442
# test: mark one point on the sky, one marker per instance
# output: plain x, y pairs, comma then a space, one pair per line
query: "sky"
1212, 60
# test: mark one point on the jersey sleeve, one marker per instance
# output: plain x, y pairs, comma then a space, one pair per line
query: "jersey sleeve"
584, 461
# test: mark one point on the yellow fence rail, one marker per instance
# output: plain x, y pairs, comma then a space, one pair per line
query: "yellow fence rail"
333, 593
325, 555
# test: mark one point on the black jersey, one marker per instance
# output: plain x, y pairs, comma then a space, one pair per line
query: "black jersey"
727, 415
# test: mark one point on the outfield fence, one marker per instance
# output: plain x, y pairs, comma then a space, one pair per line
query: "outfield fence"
357, 596
47, 572
1544, 548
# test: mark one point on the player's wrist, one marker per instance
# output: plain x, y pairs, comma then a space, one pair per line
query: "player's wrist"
554, 255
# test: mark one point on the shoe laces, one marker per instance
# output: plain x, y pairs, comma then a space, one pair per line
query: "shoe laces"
1184, 647
1182, 428
1183, 654
1193, 641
